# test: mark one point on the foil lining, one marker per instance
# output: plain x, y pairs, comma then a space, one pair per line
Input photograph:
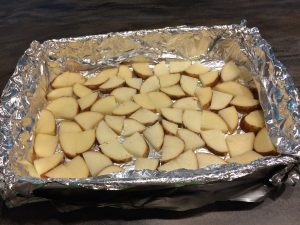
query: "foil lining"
23, 97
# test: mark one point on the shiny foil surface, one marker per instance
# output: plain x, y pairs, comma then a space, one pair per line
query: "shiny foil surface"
24, 96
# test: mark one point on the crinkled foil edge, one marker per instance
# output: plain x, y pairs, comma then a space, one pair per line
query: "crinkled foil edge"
278, 94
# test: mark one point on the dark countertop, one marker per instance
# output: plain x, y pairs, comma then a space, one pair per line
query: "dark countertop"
24, 21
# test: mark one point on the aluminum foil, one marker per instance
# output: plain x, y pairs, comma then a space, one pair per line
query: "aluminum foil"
24, 96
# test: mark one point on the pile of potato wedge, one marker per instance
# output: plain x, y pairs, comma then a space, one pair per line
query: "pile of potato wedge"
90, 126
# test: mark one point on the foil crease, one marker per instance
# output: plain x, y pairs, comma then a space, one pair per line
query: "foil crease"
24, 96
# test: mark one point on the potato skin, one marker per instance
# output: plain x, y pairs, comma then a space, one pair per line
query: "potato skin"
248, 127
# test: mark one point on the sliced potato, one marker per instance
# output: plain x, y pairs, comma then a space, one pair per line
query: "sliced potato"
206, 159
196, 69
142, 70
87, 101
240, 143
133, 82
67, 79
136, 145
111, 83
172, 114
29, 168
96, 161
230, 72
125, 108
191, 140
131, 126
188, 84
81, 90
171, 148
88, 120
215, 141
169, 127
61, 171
74, 165
110, 169
160, 100
63, 108
150, 84
178, 66
144, 101
174, 91
220, 100
104, 133
155, 135
186, 160
69, 126
253, 122
186, 103
204, 96
263, 143
245, 158
100, 78
123, 94
244, 104
230, 116
234, 88
60, 92
115, 151
209, 79
46, 123
212, 121
115, 122
161, 68
192, 120
105, 105
144, 116
45, 145
45, 164
124, 72
146, 164
168, 79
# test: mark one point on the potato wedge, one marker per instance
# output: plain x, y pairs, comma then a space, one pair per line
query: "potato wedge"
126, 108
69, 126
104, 133
45, 145
101, 77
196, 69
80, 90
142, 70
215, 141
88, 120
146, 164
186, 103
136, 145
123, 94
204, 96
240, 143
168, 80
178, 66
87, 101
144, 101
234, 88
169, 127
150, 84
263, 144
191, 140
133, 82
160, 100
74, 164
253, 122
115, 122
45, 164
131, 126
63, 108
111, 84
115, 151
144, 116
172, 114
186, 160
110, 169
210, 79
192, 120
171, 148
124, 72
105, 105
188, 85
60, 92
96, 161
161, 68
244, 104
67, 79
206, 159
46, 123
230, 72
212, 121
220, 100
230, 116
245, 158
155, 135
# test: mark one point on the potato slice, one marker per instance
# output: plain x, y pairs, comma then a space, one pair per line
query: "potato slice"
206, 159
178, 66
142, 70
220, 100
172, 114
78, 167
46, 123
196, 69
111, 84
123, 94
100, 78
169, 127
96, 161
60, 92
144, 116
212, 121
45, 145
244, 104
160, 100
29, 168
186, 160
263, 143
186, 103
146, 164
230, 116
115, 122
81, 91
131, 126
69, 126
191, 140
67, 79
88, 120
87, 101
215, 141
63, 108
245, 158
188, 84
192, 120
174, 91
150, 84
240, 143
110, 169
126, 108
105, 105
124, 72
230, 72
234, 88
161, 68
253, 122
104, 133
171, 148
77, 142
43, 165
209, 79
133, 82
144, 101
115, 151
204, 96
136, 145
168, 80
60, 171
155, 135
